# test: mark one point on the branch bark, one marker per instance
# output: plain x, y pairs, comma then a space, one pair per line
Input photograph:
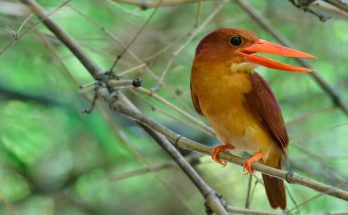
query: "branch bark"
340, 4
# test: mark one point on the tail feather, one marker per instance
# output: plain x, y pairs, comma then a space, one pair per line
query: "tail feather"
275, 189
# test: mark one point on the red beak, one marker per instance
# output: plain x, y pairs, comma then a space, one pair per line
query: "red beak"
264, 46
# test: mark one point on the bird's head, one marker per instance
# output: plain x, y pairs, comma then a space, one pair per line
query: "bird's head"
237, 46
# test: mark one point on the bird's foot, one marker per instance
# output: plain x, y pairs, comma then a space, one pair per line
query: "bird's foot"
248, 162
215, 153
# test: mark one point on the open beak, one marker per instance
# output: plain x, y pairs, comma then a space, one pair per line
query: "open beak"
263, 46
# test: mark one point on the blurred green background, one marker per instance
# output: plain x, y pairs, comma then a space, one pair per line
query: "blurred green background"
56, 160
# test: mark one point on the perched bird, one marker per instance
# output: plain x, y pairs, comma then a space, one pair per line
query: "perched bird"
239, 104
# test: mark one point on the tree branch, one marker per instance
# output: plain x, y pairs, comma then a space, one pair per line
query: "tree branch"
340, 4
185, 143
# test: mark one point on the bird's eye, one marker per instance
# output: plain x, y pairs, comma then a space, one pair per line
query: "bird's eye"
236, 41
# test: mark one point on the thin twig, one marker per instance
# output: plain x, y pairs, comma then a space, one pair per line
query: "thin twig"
305, 5
340, 4
151, 169
131, 53
315, 197
135, 36
169, 114
152, 4
17, 37
182, 112
310, 114
24, 23
249, 211
198, 14
131, 12
248, 197
133, 69
322, 160
292, 199
212, 200
140, 157
196, 31
63, 37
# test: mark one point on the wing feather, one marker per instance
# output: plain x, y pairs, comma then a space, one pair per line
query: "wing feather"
195, 102
261, 101
194, 97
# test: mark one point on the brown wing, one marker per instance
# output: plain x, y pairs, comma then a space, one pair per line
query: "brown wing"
262, 103
194, 97
195, 102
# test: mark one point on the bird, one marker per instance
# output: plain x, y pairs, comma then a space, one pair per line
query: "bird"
238, 102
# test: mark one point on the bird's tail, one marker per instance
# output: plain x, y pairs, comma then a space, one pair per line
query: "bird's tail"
275, 189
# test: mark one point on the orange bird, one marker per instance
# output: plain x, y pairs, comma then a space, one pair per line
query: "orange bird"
238, 102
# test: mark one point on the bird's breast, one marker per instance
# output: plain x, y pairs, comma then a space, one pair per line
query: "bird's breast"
221, 101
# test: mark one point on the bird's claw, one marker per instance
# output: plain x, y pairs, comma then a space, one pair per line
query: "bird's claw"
215, 153
248, 162
222, 162
215, 156
247, 167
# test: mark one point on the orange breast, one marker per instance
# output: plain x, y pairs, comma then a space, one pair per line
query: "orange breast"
220, 94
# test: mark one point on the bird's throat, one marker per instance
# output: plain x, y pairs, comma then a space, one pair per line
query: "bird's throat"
242, 67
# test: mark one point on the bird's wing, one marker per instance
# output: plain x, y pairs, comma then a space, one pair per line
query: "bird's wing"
194, 96
195, 101
262, 103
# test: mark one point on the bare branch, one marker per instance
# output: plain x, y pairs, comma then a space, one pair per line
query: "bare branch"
18, 36
182, 112
64, 37
340, 4
185, 143
171, 115
150, 169
315, 197
132, 54
195, 32
249, 211
248, 197
135, 37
